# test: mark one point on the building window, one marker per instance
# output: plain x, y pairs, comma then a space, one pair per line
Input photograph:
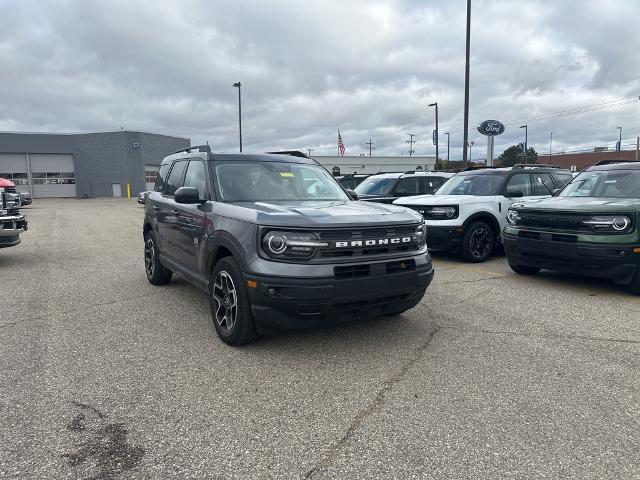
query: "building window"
53, 178
150, 175
19, 178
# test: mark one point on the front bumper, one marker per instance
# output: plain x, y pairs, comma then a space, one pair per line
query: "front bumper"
616, 262
283, 303
11, 227
444, 239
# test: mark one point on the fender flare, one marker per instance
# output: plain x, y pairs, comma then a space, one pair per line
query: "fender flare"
225, 240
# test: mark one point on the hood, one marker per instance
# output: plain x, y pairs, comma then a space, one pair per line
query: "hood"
329, 214
444, 200
581, 204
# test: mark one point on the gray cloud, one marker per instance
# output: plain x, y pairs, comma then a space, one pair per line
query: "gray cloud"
309, 68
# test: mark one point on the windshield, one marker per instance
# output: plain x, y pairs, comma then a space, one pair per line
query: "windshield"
486, 184
276, 181
605, 184
376, 186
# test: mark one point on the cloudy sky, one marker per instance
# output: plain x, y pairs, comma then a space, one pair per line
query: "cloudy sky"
369, 68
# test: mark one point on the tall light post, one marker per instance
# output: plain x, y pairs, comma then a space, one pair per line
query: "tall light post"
466, 87
526, 141
448, 140
437, 139
238, 86
550, 144
470, 145
619, 143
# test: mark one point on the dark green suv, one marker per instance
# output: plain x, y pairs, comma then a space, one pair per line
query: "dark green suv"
591, 227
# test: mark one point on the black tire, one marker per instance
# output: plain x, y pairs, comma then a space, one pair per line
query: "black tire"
156, 273
230, 305
477, 243
523, 269
634, 286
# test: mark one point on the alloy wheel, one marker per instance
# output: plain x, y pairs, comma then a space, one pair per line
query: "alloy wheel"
225, 296
480, 242
149, 256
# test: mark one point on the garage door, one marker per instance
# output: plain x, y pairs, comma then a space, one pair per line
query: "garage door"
53, 175
150, 174
13, 166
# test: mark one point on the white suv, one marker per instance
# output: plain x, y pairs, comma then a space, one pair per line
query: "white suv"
469, 212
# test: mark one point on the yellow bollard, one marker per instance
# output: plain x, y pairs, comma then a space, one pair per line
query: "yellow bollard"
128, 190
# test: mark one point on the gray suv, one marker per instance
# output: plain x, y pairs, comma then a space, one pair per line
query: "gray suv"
277, 243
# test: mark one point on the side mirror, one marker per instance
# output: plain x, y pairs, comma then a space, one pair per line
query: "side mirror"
514, 194
187, 195
352, 194
555, 192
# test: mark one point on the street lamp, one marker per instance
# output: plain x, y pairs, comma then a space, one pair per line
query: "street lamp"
238, 85
526, 140
470, 145
437, 140
550, 143
619, 143
448, 139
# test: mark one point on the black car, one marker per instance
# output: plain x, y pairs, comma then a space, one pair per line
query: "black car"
277, 243
387, 187
352, 180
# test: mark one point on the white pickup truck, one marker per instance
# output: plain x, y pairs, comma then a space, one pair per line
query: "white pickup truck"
469, 212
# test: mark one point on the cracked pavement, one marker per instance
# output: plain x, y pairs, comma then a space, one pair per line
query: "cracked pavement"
493, 375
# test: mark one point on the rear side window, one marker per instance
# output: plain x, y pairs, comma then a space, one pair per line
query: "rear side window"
407, 186
175, 178
162, 175
562, 178
431, 184
542, 184
519, 184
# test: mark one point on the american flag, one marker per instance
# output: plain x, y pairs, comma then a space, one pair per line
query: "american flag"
340, 145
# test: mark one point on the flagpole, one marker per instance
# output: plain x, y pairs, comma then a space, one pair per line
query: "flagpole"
338, 142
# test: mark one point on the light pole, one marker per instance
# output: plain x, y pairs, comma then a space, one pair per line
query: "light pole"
619, 143
238, 85
437, 140
448, 139
550, 144
470, 145
526, 141
466, 86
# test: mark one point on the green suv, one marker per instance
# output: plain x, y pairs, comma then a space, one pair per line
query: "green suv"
590, 227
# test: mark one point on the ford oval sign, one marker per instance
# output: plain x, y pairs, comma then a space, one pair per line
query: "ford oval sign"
491, 128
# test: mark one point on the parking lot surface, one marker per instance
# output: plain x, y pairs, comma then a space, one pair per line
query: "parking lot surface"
493, 375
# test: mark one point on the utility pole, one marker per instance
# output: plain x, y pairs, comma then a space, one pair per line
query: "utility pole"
238, 85
411, 141
550, 144
619, 143
637, 148
370, 143
466, 88
309, 150
448, 139
436, 139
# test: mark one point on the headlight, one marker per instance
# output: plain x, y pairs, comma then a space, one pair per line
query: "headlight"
609, 223
291, 245
439, 213
513, 217
421, 235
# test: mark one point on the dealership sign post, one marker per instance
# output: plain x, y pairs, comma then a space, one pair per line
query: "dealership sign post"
490, 129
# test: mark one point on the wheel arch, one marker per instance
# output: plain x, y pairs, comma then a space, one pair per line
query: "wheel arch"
486, 217
222, 246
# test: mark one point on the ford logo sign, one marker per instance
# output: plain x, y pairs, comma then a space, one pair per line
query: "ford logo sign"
491, 128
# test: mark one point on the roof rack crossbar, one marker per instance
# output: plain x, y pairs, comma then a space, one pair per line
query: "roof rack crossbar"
197, 148
292, 153
480, 167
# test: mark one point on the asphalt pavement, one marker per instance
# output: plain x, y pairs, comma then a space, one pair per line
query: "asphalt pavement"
493, 375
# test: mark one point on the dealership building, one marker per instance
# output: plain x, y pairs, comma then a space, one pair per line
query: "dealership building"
104, 164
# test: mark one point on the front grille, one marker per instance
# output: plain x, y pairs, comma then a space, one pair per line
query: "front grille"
566, 222
352, 271
350, 244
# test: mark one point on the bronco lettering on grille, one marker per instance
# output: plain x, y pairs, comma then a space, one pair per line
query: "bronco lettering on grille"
374, 243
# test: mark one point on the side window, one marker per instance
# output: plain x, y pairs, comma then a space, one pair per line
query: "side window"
162, 175
539, 181
407, 186
196, 177
562, 179
517, 184
175, 178
430, 184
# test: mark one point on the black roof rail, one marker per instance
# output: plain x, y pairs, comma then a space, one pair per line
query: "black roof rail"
293, 153
536, 165
480, 167
200, 148
610, 162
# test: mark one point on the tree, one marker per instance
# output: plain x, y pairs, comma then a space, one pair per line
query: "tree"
514, 155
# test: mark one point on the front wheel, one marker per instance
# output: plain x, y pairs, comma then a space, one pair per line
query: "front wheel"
156, 273
523, 269
477, 243
230, 305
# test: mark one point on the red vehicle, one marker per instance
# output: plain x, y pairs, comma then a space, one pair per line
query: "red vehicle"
12, 222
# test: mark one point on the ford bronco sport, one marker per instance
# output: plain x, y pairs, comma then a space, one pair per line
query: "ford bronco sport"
277, 243
590, 227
